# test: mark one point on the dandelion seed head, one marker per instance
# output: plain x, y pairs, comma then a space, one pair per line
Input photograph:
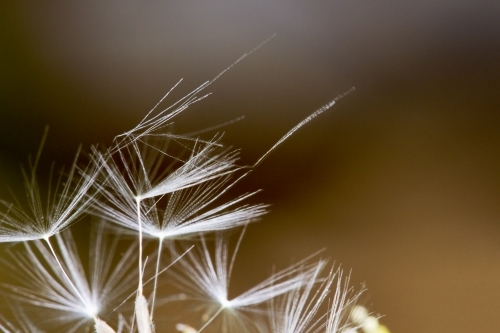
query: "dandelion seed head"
139, 185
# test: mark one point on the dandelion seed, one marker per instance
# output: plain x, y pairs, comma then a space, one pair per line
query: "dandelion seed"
66, 203
62, 285
202, 166
185, 211
303, 122
207, 279
151, 123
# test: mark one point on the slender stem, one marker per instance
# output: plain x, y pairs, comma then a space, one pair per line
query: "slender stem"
65, 274
151, 279
138, 201
156, 277
132, 323
211, 319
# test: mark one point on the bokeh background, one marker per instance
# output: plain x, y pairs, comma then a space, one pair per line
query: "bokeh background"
400, 181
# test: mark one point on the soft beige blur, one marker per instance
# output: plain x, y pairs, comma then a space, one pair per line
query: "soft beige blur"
400, 181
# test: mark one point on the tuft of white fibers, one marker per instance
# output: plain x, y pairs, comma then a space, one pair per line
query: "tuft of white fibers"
185, 211
296, 310
205, 277
152, 122
46, 215
146, 170
54, 278
204, 164
343, 299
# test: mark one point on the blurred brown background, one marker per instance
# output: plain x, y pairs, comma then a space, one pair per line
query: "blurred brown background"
400, 181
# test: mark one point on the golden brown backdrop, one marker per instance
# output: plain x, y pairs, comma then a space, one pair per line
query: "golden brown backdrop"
400, 181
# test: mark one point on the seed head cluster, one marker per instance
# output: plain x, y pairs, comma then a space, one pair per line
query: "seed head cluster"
148, 201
